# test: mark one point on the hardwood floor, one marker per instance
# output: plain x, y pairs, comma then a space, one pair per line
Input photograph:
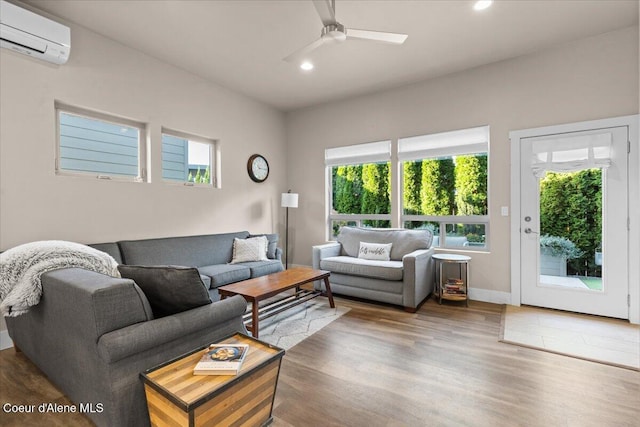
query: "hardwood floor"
382, 366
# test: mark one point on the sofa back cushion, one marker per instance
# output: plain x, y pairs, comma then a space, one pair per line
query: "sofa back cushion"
192, 251
403, 241
109, 248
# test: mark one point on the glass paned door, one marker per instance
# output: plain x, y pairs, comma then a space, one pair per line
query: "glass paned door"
574, 222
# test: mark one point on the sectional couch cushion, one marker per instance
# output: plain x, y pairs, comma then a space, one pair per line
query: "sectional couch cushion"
206, 280
109, 248
193, 251
223, 274
386, 270
403, 241
261, 268
169, 289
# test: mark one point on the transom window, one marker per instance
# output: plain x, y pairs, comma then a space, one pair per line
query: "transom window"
99, 145
188, 159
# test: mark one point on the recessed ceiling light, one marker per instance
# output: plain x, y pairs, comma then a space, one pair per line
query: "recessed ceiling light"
306, 66
482, 4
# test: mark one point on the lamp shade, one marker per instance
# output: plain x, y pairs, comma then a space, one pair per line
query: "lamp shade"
289, 200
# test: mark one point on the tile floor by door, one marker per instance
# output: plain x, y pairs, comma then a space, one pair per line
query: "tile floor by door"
611, 341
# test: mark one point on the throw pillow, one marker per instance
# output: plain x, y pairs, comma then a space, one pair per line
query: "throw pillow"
169, 289
272, 244
252, 249
375, 251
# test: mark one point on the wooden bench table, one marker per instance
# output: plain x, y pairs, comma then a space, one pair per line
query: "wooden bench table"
260, 288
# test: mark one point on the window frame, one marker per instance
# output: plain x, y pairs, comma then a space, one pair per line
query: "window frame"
475, 146
358, 154
214, 158
142, 175
478, 144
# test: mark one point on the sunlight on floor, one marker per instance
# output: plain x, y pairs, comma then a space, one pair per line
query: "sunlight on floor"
611, 341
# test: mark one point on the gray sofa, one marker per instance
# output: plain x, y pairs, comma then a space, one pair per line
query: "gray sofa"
92, 335
210, 253
405, 280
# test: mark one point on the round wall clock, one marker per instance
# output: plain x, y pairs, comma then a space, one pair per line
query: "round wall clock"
258, 168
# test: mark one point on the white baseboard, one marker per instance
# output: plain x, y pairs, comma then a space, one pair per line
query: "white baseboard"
5, 340
485, 295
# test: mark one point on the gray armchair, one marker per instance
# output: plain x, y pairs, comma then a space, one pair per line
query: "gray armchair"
406, 279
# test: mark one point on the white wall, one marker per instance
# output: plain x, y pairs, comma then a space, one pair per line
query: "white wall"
588, 79
106, 76
103, 75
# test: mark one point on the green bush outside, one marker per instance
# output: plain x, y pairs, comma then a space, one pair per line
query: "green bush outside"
559, 247
570, 203
443, 186
571, 208
199, 177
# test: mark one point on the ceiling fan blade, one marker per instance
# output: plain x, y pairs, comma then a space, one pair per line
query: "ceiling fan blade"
380, 36
300, 53
326, 11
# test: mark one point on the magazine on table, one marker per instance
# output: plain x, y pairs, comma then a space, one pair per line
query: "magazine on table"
222, 359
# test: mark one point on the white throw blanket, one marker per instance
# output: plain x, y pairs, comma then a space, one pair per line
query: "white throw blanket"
22, 266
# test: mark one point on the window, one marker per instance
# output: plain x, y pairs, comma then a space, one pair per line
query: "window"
444, 186
188, 159
99, 145
360, 185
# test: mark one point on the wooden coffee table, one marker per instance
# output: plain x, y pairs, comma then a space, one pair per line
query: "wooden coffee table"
261, 288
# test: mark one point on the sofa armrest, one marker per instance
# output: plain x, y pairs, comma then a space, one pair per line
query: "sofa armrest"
99, 302
418, 277
138, 338
327, 250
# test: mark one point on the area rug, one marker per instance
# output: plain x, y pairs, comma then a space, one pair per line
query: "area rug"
290, 327
598, 339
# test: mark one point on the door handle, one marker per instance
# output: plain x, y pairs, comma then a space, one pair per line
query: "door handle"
529, 231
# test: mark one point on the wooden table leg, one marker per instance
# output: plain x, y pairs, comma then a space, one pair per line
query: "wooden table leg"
254, 318
328, 291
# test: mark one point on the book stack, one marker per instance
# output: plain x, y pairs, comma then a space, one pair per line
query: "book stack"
222, 359
453, 286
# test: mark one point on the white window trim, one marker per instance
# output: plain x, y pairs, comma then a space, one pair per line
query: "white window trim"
214, 158
466, 142
370, 152
60, 107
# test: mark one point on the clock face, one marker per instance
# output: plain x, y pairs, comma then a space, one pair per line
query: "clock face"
258, 168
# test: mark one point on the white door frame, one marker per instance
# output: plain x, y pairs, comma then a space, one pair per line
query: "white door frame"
634, 200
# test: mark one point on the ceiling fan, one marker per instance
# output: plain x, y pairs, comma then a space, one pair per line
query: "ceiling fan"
333, 31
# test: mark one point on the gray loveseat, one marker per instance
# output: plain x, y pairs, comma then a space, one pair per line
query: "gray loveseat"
92, 335
405, 280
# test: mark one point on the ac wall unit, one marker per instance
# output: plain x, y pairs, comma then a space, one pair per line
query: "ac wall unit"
34, 35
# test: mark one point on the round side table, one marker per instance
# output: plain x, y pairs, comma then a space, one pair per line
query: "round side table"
452, 289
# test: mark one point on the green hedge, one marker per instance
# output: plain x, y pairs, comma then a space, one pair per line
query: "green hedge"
571, 207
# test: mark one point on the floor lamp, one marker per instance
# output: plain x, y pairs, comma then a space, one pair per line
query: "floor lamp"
289, 200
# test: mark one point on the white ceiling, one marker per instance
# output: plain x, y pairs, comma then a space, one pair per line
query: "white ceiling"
240, 44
